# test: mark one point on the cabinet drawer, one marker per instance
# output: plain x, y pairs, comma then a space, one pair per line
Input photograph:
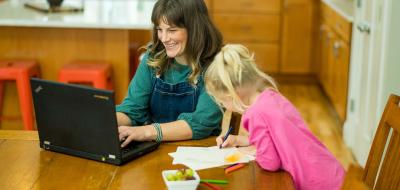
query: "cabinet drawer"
342, 27
266, 56
337, 22
326, 12
247, 6
248, 28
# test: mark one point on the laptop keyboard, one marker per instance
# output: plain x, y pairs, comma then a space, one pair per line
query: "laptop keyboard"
128, 148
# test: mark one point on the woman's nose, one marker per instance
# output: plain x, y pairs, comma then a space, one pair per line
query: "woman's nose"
164, 37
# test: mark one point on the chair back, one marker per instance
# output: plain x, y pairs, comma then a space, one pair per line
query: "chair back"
382, 170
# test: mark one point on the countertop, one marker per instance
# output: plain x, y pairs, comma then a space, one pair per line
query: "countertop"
344, 7
107, 14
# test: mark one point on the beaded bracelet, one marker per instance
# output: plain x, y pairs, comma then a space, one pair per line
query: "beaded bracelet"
159, 136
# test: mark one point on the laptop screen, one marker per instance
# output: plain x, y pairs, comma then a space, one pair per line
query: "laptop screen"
76, 117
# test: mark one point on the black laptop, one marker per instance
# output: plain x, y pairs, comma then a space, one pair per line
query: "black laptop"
81, 121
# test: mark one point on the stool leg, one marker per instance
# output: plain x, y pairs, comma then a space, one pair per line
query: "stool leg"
1, 99
110, 85
25, 98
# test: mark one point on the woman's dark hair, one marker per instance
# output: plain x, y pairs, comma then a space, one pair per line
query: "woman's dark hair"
204, 39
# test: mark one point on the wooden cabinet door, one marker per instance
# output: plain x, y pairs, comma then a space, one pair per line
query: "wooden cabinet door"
341, 54
266, 56
326, 60
297, 38
248, 28
248, 6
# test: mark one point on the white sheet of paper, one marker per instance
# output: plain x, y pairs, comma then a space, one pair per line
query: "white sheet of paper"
199, 158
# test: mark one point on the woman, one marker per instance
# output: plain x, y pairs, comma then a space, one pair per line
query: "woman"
166, 99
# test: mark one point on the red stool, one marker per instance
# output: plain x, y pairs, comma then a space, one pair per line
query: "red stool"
20, 72
96, 73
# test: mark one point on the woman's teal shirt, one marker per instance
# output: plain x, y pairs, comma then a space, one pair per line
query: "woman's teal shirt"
204, 121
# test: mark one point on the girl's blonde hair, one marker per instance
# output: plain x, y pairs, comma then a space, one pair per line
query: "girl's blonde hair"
235, 67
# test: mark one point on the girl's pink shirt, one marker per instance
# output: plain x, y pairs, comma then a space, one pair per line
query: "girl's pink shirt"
283, 141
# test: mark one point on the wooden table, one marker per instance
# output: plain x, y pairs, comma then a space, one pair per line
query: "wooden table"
23, 165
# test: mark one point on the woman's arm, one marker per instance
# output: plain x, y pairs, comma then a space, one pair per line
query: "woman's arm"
172, 131
123, 119
135, 105
206, 119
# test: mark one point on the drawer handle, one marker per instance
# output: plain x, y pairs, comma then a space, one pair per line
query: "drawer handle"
336, 47
364, 27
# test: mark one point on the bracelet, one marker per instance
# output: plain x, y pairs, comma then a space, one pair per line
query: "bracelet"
159, 136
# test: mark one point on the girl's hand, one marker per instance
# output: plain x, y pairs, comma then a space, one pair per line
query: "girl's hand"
249, 150
128, 134
232, 141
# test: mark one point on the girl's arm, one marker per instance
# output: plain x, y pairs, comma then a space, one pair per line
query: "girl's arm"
232, 141
266, 155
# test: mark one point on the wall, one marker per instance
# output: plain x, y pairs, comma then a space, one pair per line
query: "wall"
391, 76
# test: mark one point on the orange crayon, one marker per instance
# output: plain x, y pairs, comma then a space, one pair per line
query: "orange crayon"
233, 168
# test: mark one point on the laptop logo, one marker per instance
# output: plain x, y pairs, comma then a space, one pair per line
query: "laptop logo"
38, 89
100, 97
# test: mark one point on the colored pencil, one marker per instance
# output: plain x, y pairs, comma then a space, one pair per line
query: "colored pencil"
226, 136
234, 168
215, 181
231, 165
211, 186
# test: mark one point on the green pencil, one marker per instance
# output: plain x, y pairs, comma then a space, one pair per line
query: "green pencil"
215, 181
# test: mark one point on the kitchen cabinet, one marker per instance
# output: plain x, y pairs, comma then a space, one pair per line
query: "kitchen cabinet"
253, 23
334, 57
278, 32
298, 23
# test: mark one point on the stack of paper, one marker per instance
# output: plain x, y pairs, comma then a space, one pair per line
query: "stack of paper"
199, 158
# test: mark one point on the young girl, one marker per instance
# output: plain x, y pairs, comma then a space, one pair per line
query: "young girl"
277, 132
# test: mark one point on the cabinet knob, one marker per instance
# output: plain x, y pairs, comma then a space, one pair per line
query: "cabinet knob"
336, 47
364, 27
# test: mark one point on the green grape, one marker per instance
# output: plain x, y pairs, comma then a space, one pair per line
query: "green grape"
179, 175
171, 177
189, 172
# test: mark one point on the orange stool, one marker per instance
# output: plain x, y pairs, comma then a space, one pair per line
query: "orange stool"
96, 73
20, 72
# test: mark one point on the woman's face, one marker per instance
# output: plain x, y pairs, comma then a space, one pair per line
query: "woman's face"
174, 40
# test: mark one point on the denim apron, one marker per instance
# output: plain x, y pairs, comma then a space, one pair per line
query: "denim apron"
170, 100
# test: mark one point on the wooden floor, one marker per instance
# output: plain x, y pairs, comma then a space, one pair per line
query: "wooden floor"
319, 115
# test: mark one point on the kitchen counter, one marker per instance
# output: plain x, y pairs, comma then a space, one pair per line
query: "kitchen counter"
107, 30
344, 7
101, 14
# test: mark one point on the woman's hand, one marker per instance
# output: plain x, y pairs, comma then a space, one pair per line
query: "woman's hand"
232, 141
128, 134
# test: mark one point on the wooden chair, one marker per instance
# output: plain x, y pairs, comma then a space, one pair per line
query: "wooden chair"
382, 170
385, 174
353, 179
